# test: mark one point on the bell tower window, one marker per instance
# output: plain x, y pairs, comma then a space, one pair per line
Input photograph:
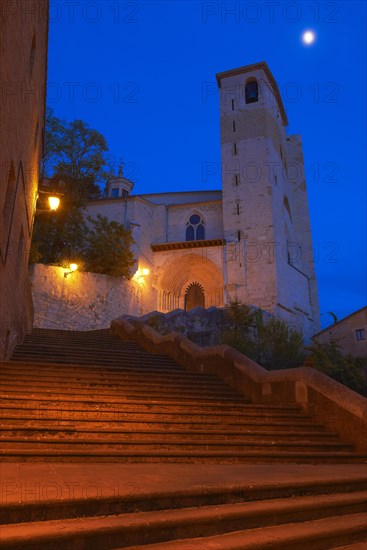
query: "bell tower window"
251, 91
195, 230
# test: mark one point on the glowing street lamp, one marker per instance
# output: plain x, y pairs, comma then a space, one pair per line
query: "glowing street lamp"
73, 267
140, 274
54, 203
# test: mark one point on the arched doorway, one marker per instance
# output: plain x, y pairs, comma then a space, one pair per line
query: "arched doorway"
194, 297
176, 277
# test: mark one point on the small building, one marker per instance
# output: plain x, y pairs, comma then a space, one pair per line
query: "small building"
348, 333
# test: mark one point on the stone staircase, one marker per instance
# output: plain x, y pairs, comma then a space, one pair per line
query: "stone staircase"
92, 397
89, 397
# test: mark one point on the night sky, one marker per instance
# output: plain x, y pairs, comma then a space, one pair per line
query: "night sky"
143, 74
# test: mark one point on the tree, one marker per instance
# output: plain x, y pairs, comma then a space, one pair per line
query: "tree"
239, 322
279, 346
75, 154
58, 238
346, 369
108, 248
271, 342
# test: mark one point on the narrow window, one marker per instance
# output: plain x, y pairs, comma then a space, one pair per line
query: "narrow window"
238, 236
234, 126
232, 104
252, 92
20, 252
32, 56
276, 179
238, 209
36, 135
235, 148
9, 197
195, 230
236, 179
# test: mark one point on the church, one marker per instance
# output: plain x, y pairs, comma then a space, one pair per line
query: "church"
250, 240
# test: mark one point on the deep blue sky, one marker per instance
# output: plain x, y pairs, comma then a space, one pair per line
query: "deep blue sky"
136, 72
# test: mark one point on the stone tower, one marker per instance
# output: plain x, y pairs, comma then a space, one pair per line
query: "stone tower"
268, 254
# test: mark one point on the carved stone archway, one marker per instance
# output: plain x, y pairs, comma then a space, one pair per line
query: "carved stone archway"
178, 275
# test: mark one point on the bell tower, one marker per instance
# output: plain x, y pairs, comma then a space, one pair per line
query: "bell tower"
268, 252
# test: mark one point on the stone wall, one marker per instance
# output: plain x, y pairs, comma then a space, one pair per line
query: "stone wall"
85, 301
23, 37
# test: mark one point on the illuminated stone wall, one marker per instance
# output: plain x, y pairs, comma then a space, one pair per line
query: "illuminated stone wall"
85, 301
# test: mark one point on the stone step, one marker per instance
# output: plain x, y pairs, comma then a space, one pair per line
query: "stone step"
171, 442
130, 390
353, 546
91, 353
76, 336
331, 516
105, 365
121, 490
142, 416
318, 534
193, 407
136, 380
99, 346
123, 393
71, 369
7, 433
118, 361
72, 337
68, 420
82, 377
26, 402
19, 453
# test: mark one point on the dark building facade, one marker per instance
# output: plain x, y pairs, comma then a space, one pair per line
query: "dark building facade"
23, 67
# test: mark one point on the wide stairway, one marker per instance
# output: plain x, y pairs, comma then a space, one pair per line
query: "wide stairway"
90, 396
70, 398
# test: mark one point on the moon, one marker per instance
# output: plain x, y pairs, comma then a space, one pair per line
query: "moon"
308, 37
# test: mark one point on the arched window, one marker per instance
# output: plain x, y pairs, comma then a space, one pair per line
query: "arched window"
251, 91
195, 230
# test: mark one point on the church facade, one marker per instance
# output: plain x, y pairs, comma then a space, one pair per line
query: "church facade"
250, 240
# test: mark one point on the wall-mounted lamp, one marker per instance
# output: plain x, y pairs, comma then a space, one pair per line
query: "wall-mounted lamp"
72, 267
53, 205
140, 274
